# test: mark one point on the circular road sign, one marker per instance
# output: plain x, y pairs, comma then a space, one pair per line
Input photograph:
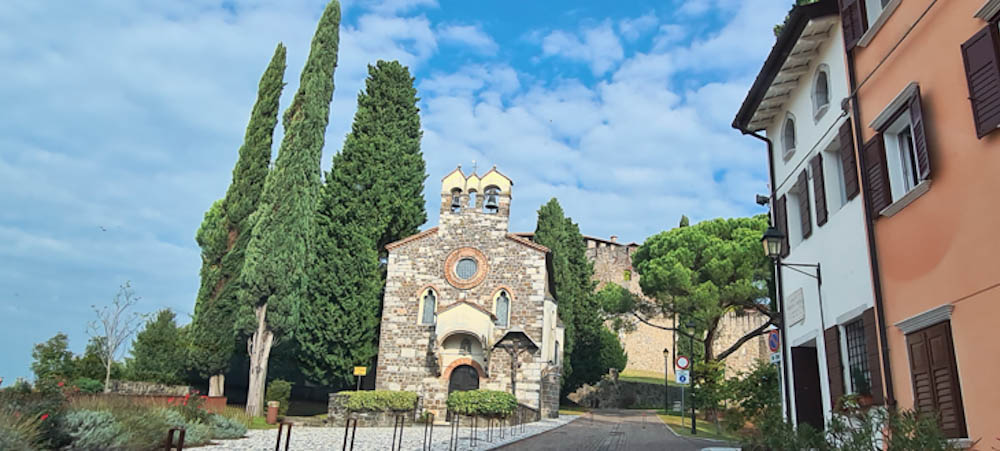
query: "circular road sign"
682, 362
773, 342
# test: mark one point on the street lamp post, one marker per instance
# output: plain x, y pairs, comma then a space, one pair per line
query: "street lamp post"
666, 375
694, 430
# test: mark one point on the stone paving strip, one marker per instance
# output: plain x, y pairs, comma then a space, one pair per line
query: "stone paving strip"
306, 438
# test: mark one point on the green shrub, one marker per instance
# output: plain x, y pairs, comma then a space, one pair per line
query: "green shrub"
485, 403
19, 431
226, 428
380, 400
279, 390
94, 430
88, 385
45, 406
144, 427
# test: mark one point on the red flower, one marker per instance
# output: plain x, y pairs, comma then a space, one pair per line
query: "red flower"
185, 402
61, 383
170, 400
44, 416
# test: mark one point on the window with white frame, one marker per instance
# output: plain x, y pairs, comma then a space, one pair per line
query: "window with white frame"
788, 137
836, 188
900, 156
821, 91
874, 8
857, 358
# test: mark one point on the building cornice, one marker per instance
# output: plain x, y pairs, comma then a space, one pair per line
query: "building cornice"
527, 242
411, 238
926, 319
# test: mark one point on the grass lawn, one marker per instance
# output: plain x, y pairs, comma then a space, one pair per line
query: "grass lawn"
706, 429
649, 377
573, 410
261, 423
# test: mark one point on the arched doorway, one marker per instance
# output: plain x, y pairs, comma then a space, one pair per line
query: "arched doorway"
463, 377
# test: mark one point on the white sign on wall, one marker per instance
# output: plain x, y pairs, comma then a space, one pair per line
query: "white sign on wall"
795, 308
683, 377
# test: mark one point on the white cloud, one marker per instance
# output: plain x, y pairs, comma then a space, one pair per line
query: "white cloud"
632, 28
397, 6
469, 35
598, 46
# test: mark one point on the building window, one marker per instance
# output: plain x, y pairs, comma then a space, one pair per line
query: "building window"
821, 92
788, 137
857, 357
874, 9
934, 375
627, 275
491, 204
555, 354
472, 198
466, 268
901, 156
428, 306
466, 346
501, 307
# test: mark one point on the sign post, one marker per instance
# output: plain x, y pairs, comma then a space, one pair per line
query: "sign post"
774, 344
681, 363
360, 371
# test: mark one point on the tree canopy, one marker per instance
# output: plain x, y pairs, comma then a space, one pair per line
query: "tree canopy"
159, 351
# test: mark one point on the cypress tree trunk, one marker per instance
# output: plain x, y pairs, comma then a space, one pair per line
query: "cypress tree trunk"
224, 235
373, 196
280, 251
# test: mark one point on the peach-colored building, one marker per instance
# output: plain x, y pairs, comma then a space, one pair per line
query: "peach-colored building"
927, 78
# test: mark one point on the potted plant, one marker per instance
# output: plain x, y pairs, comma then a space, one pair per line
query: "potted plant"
862, 387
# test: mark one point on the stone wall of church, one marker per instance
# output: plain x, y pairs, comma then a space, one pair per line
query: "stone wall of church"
644, 345
407, 359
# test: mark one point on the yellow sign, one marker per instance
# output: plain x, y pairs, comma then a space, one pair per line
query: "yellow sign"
360, 370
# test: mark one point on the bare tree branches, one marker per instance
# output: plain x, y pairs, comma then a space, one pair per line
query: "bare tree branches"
114, 326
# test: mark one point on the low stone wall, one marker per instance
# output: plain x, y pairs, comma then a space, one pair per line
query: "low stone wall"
147, 388
609, 393
214, 404
337, 414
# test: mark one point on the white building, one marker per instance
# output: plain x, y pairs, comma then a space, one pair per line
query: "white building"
829, 334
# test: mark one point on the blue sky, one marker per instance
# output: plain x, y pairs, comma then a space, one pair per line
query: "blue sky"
122, 120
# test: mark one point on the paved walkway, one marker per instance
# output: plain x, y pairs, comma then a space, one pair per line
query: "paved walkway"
613, 430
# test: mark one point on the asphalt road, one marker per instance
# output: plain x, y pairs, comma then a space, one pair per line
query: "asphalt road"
613, 430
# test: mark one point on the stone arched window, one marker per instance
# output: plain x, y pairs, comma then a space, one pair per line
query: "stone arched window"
466, 346
472, 198
788, 137
428, 306
491, 203
501, 308
821, 91
456, 200
555, 354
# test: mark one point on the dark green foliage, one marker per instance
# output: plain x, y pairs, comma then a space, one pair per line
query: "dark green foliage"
88, 385
274, 275
52, 359
380, 400
373, 196
684, 221
224, 233
483, 403
281, 391
595, 354
755, 396
90, 365
41, 409
159, 351
579, 306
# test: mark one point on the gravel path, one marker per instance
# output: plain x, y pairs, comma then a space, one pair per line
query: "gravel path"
332, 438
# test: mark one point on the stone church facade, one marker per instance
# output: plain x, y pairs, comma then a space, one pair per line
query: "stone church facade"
456, 293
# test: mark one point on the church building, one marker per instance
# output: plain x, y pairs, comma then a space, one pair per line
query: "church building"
464, 297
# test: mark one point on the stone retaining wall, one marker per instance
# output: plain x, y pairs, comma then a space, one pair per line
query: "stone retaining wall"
147, 388
609, 393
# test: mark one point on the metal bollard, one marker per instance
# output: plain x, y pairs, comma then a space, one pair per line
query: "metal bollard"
287, 427
472, 428
180, 439
453, 437
398, 424
428, 431
352, 426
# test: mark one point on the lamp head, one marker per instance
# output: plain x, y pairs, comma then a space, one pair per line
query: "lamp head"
772, 242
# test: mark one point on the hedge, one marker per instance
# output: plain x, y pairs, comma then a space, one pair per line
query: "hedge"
485, 403
379, 400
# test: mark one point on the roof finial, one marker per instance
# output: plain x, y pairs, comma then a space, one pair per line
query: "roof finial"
474, 167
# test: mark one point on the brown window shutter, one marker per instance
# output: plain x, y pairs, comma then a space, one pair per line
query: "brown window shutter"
876, 175
781, 222
935, 378
848, 161
801, 189
982, 73
919, 137
854, 21
834, 364
872, 350
819, 189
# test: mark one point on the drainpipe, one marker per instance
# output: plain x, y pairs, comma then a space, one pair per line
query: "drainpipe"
890, 399
785, 363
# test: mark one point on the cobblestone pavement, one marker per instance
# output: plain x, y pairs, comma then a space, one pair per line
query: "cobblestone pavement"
614, 430
332, 438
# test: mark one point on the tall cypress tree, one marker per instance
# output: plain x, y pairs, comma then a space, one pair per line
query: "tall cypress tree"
280, 250
224, 235
373, 196
586, 344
